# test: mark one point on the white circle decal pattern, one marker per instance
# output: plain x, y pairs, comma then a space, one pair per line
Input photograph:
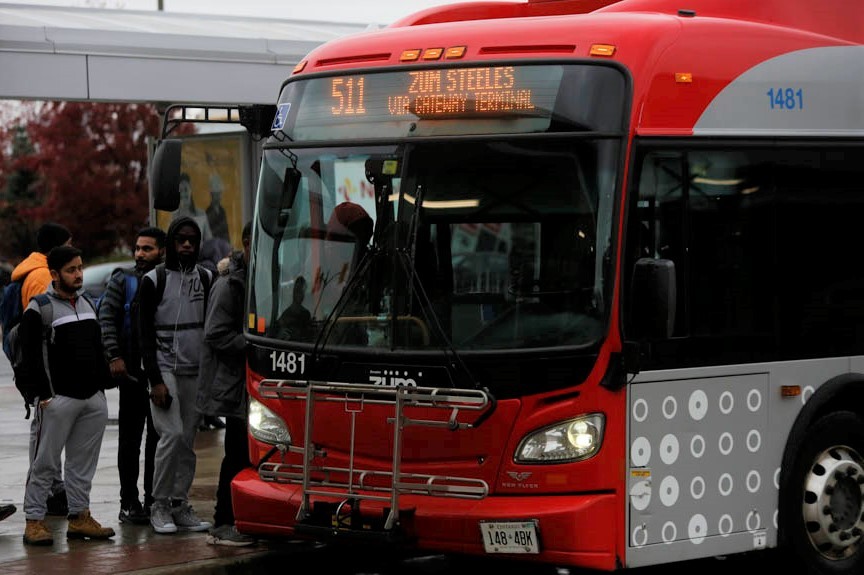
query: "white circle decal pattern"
669, 449
698, 405
725, 525
670, 407
777, 478
640, 536
669, 491
726, 443
640, 410
776, 524
754, 521
754, 400
640, 495
697, 446
670, 532
754, 481
640, 453
725, 484
697, 488
754, 441
697, 529
807, 394
727, 402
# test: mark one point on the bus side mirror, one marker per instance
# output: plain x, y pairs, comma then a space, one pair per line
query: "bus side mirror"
165, 176
654, 299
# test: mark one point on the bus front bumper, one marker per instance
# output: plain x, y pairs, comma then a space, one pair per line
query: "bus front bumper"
572, 530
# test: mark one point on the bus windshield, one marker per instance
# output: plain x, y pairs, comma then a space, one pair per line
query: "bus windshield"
417, 227
476, 245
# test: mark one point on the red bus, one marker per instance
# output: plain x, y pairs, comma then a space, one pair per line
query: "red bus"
577, 282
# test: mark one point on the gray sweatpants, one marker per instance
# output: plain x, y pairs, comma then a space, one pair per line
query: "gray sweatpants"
174, 464
77, 425
57, 486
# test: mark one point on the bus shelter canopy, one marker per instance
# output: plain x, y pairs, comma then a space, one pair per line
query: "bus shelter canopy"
63, 53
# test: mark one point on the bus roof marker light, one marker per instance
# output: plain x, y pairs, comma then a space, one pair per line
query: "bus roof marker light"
602, 50
433, 53
455, 52
410, 56
301, 65
683, 77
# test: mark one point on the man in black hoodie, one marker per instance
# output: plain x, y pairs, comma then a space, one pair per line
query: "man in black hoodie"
173, 300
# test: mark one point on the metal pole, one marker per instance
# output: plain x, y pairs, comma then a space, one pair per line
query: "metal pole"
161, 5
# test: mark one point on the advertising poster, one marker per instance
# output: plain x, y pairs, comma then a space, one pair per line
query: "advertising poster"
211, 192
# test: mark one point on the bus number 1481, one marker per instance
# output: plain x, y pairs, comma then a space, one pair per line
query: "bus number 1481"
288, 362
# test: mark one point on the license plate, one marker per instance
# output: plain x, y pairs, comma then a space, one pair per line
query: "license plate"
510, 537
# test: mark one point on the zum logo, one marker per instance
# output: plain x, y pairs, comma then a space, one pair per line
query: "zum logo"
392, 378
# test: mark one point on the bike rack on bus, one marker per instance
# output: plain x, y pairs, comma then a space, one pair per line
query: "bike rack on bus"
359, 484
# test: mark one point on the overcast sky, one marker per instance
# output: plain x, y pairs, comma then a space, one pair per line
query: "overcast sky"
363, 11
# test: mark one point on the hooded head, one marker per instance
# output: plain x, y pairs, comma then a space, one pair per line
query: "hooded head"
51, 235
179, 255
350, 221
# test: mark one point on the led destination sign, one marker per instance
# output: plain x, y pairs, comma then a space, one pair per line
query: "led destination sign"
440, 92
447, 101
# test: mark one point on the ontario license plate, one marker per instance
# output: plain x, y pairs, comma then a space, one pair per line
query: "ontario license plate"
510, 537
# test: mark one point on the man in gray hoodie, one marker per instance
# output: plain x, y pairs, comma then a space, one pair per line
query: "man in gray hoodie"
173, 301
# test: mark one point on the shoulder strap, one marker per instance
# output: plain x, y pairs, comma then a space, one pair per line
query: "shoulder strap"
160, 282
46, 310
204, 274
131, 281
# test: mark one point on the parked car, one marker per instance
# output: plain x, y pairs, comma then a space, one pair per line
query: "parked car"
96, 276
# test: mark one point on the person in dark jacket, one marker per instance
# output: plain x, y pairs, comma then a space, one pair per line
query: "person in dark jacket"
171, 324
71, 410
222, 385
124, 358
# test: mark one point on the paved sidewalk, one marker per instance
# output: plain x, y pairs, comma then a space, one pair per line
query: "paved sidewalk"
134, 548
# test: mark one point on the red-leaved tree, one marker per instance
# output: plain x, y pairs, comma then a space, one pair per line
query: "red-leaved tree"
87, 168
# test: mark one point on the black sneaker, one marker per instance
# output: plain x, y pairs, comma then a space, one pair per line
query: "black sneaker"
134, 514
6, 510
58, 505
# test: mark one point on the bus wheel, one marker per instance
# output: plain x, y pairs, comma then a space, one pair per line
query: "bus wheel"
823, 505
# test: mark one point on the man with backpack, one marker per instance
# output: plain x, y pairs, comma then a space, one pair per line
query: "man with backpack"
65, 374
118, 311
172, 303
29, 278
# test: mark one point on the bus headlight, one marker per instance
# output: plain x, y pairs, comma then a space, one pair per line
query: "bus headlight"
571, 440
266, 426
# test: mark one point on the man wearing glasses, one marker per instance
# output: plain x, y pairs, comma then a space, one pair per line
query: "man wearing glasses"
173, 300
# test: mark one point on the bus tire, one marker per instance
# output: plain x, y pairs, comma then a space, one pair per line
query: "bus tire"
823, 503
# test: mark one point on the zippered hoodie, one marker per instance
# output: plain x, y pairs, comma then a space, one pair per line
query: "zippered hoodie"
172, 329
76, 363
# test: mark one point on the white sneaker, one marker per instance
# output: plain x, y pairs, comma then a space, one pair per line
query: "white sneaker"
161, 519
186, 520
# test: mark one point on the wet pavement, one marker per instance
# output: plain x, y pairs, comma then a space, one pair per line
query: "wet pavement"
135, 549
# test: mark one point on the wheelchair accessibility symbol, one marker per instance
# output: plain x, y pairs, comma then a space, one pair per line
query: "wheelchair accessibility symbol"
281, 116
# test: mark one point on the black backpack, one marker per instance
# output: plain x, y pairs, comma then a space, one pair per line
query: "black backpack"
10, 312
16, 351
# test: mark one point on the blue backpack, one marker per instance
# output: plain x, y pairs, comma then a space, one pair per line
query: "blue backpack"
128, 305
10, 313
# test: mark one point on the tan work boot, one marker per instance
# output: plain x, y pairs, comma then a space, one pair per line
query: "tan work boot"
83, 526
37, 533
